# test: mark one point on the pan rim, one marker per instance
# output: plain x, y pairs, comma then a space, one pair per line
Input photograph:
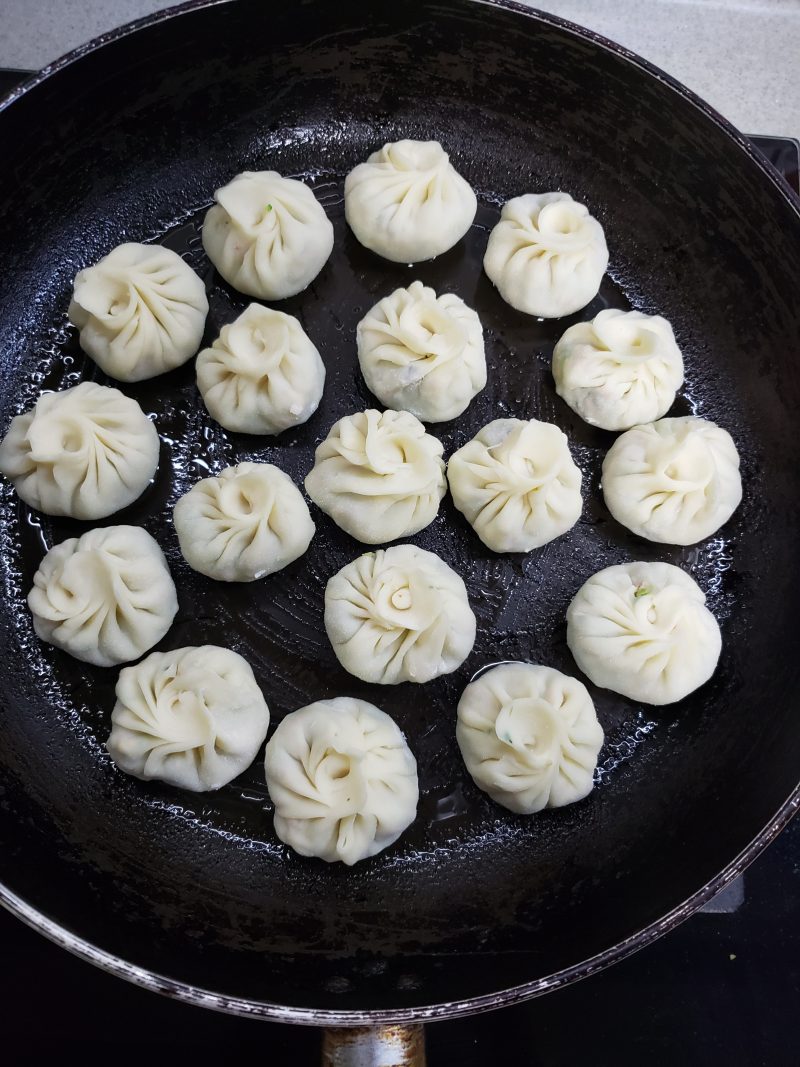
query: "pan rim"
245, 1007
742, 141
269, 1011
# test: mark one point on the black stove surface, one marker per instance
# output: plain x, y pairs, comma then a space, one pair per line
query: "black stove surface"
724, 988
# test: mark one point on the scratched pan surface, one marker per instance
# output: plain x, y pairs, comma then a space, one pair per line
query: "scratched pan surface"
128, 142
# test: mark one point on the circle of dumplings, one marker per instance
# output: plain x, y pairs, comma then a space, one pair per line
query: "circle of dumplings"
249, 521
399, 615
262, 374
85, 452
193, 717
342, 779
268, 236
378, 475
340, 773
675, 481
422, 353
517, 484
643, 630
619, 370
529, 736
105, 597
408, 203
141, 311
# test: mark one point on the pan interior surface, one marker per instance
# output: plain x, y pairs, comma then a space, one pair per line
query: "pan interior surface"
129, 143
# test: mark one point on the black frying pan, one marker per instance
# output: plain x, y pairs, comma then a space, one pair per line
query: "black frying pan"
473, 908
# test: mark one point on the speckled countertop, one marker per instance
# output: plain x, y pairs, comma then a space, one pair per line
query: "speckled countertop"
740, 55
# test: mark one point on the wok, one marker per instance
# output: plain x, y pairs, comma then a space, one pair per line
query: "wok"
194, 896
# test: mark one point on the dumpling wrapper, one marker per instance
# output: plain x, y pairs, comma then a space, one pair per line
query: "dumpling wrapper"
422, 353
85, 452
342, 779
529, 736
408, 203
248, 522
263, 374
399, 615
675, 481
378, 475
643, 630
268, 236
194, 718
517, 484
547, 255
621, 369
105, 597
141, 311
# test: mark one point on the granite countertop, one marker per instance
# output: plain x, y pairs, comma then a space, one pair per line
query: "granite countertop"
739, 55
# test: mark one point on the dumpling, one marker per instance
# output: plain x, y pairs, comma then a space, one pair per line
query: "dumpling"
643, 630
399, 615
268, 236
675, 481
246, 523
407, 202
621, 369
141, 311
85, 452
262, 374
342, 779
105, 597
378, 475
194, 718
547, 255
516, 484
422, 353
529, 736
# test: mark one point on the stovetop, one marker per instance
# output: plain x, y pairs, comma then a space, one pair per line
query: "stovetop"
724, 988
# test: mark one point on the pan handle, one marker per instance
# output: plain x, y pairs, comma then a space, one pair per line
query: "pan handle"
374, 1046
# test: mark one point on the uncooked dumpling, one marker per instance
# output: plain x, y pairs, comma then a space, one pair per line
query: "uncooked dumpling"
643, 630
268, 236
547, 255
378, 475
141, 311
105, 597
517, 484
399, 615
263, 374
249, 521
621, 369
422, 353
407, 202
194, 718
85, 452
342, 779
675, 481
529, 736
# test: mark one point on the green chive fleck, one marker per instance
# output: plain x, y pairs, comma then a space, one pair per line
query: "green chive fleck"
641, 591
